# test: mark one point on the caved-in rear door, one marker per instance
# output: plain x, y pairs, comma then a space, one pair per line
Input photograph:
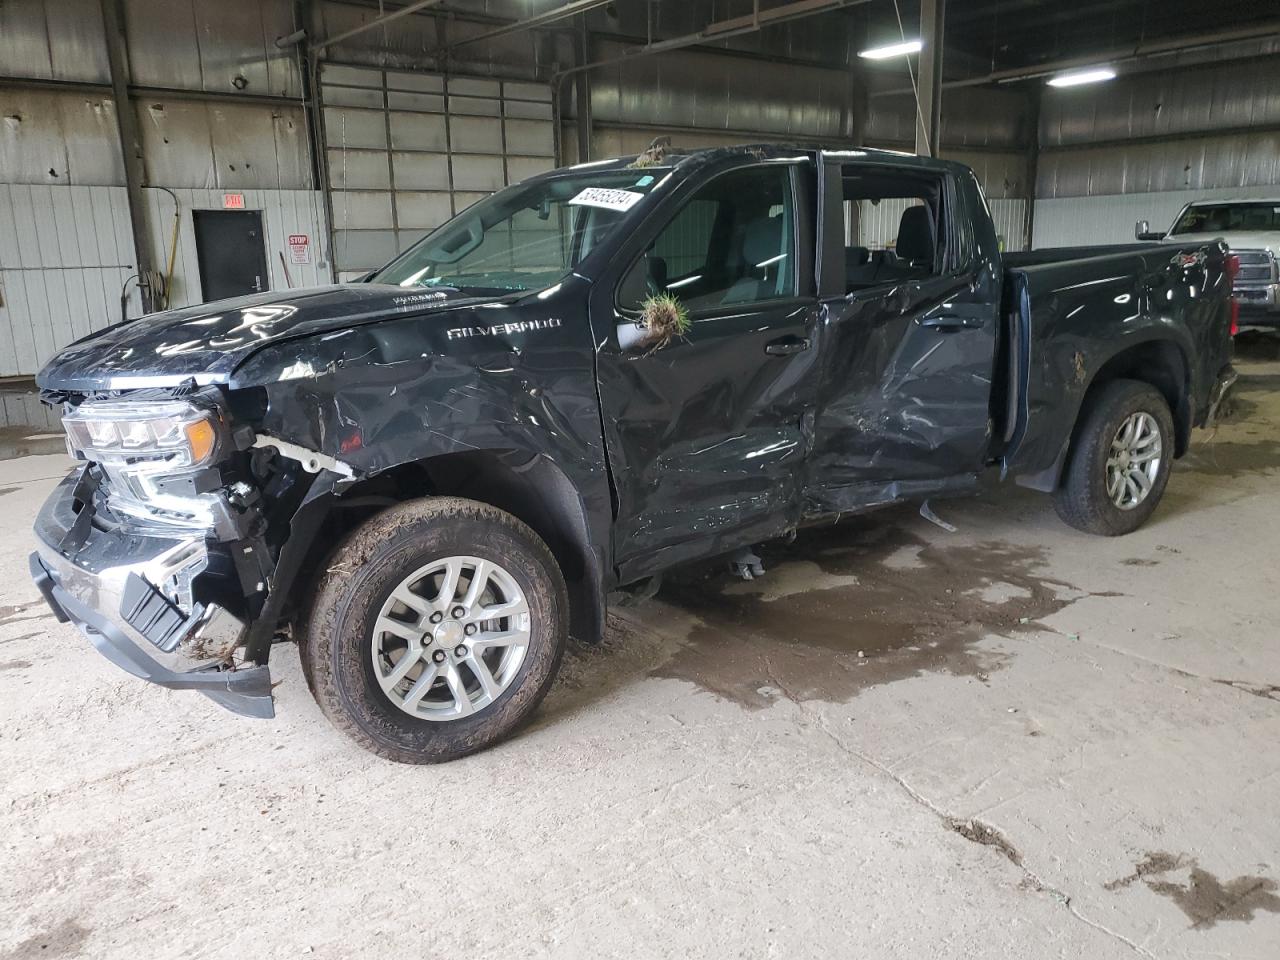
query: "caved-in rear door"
909, 345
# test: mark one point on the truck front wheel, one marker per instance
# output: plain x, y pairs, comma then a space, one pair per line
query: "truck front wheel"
1119, 462
437, 629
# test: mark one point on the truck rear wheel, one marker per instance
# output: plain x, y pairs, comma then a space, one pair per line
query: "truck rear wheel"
436, 630
1119, 462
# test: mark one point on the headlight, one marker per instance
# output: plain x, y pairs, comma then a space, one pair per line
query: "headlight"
124, 431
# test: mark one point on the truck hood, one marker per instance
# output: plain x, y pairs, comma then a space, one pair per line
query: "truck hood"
207, 342
1240, 240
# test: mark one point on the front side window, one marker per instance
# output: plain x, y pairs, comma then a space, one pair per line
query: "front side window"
733, 242
526, 237
1228, 218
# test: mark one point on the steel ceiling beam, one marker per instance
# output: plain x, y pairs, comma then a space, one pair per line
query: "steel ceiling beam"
376, 22
724, 29
1129, 54
140, 92
135, 172
530, 23
929, 92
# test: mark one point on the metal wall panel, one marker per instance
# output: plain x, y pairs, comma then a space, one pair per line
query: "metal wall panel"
1010, 219
1070, 221
348, 128
413, 42
22, 408
823, 38
66, 252
284, 212
53, 40
1002, 175
1202, 163
58, 138
1196, 100
227, 47
203, 145
687, 88
1207, 126
971, 117
420, 131
451, 139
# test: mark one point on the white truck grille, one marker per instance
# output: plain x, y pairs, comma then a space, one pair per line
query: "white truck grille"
1257, 269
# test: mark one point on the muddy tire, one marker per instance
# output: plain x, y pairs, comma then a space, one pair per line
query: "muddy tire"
1119, 461
436, 630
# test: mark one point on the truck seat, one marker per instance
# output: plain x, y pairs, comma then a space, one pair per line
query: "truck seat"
762, 242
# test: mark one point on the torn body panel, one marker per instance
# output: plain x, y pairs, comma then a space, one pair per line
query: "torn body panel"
905, 393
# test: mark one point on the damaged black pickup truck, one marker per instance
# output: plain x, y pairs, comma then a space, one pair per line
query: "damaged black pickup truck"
432, 478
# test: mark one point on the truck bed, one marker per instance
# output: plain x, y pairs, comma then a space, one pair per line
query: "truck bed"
1076, 316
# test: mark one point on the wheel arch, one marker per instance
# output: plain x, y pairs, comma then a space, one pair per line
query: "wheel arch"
1161, 362
530, 487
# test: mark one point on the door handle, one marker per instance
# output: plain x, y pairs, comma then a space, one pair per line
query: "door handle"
947, 323
786, 346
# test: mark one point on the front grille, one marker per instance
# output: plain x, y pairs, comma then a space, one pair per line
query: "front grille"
1257, 269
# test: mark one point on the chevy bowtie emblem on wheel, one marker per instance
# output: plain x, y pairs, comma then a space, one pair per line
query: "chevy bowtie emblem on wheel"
499, 329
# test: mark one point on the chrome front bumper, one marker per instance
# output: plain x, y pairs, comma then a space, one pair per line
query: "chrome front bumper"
1259, 304
110, 586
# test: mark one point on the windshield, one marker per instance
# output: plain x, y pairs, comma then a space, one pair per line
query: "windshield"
1228, 218
525, 237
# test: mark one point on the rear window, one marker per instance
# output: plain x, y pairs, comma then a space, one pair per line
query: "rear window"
1228, 218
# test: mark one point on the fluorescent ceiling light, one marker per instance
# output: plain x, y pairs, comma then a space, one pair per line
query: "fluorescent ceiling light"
892, 50
1082, 76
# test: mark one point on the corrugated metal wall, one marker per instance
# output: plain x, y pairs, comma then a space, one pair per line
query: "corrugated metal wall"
405, 148
708, 92
1143, 145
284, 213
66, 247
703, 99
65, 254
406, 151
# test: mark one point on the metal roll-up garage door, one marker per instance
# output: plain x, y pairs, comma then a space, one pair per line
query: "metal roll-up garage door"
406, 151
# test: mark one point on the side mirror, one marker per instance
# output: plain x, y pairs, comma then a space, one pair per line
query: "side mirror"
1142, 231
630, 333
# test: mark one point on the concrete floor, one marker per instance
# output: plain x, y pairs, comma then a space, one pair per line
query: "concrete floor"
1009, 741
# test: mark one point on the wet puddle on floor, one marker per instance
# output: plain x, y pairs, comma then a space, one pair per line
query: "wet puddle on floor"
853, 606
1228, 458
1204, 898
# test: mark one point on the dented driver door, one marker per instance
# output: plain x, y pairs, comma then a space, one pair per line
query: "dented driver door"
911, 294
707, 433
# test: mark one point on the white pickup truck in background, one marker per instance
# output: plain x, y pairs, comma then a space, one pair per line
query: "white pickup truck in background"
1251, 229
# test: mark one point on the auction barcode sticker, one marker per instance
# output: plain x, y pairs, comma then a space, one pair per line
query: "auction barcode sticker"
606, 198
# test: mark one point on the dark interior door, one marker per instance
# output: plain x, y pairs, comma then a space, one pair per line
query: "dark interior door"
231, 253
